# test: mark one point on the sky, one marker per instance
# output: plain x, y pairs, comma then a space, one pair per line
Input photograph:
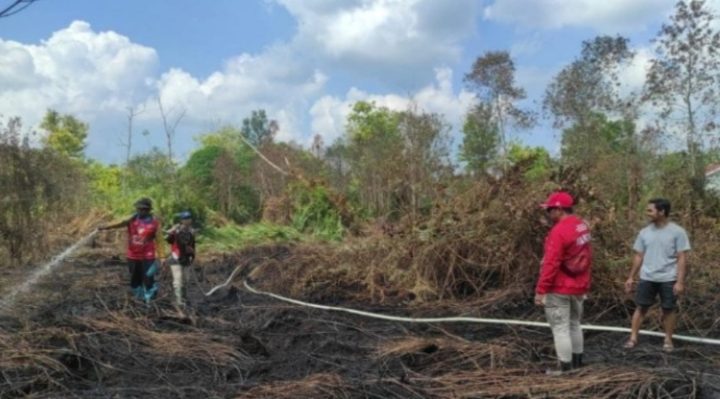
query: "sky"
304, 61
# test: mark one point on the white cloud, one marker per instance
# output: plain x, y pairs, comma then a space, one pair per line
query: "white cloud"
76, 70
388, 40
607, 16
632, 76
95, 75
270, 81
329, 113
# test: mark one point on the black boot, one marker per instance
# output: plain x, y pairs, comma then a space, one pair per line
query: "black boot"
577, 360
564, 368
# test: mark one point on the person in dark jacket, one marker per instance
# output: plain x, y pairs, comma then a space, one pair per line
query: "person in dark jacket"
565, 279
181, 237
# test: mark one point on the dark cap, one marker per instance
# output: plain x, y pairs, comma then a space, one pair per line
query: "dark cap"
143, 203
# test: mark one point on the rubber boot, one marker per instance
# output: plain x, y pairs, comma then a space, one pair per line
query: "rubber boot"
564, 368
577, 360
138, 292
150, 293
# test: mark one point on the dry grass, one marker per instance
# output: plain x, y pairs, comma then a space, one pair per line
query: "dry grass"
142, 335
315, 386
595, 383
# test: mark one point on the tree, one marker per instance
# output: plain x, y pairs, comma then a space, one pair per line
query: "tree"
425, 157
66, 134
535, 161
375, 146
589, 85
337, 159
258, 130
481, 140
150, 169
37, 186
614, 162
170, 123
683, 79
132, 112
493, 78
395, 158
236, 198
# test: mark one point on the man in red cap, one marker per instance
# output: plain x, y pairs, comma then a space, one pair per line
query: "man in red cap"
565, 279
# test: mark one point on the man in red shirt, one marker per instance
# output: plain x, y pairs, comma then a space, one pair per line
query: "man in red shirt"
142, 249
565, 279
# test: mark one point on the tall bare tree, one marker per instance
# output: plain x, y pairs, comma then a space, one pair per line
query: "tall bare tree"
493, 78
683, 79
589, 85
126, 143
598, 120
170, 123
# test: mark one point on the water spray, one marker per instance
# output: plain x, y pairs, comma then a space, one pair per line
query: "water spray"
9, 299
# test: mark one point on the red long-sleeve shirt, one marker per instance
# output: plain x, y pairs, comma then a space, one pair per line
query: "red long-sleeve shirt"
567, 241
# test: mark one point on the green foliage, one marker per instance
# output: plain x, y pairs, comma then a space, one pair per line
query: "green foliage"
315, 213
105, 184
368, 123
219, 173
481, 140
233, 237
596, 137
257, 129
150, 169
66, 134
536, 161
200, 165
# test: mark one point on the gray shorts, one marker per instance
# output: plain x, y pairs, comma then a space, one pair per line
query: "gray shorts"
647, 291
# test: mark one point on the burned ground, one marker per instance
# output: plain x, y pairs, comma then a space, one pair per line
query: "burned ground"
79, 334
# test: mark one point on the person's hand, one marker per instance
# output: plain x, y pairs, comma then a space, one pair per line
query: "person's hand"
679, 288
539, 300
629, 285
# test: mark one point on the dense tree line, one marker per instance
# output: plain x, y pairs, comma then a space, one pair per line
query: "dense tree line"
396, 165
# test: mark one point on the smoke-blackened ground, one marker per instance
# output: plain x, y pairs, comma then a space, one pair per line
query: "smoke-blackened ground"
80, 334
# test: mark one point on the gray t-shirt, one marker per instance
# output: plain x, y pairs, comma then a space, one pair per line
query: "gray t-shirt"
660, 248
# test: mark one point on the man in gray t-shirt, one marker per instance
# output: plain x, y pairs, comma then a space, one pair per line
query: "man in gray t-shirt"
660, 256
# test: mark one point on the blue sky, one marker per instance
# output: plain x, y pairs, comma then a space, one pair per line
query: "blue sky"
304, 61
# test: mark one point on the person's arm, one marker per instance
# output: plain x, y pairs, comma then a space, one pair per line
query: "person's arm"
636, 263
639, 248
122, 223
679, 287
550, 266
159, 242
682, 243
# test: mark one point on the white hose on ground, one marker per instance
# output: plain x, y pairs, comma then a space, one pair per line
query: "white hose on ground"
453, 319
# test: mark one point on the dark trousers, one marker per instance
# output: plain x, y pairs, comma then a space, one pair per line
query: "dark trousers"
142, 278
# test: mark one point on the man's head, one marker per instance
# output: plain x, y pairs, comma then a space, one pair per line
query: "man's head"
143, 206
185, 218
658, 210
558, 205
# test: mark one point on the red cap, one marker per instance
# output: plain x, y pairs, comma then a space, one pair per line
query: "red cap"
559, 199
